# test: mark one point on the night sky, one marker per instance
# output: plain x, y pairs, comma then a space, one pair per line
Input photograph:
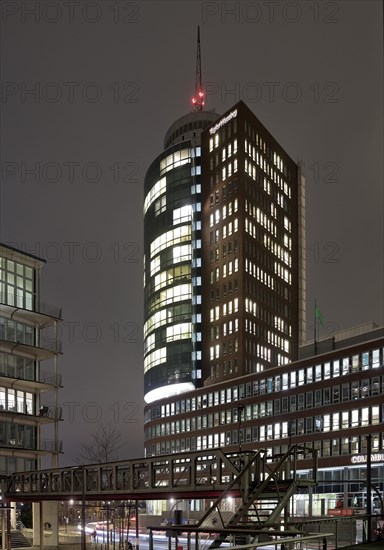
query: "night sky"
110, 77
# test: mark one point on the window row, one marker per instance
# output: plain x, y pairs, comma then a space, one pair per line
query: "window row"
226, 309
229, 286
226, 150
227, 210
17, 435
15, 366
259, 274
182, 253
16, 400
277, 250
16, 332
157, 190
170, 295
178, 312
371, 386
281, 429
262, 162
170, 238
354, 445
170, 276
174, 160
253, 192
261, 218
171, 333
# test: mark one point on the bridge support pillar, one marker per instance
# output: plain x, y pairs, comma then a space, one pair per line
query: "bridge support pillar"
45, 524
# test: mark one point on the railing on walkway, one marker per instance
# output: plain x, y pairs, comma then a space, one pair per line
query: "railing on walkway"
201, 473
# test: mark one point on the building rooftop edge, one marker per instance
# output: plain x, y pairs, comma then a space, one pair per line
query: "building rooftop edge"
21, 252
368, 337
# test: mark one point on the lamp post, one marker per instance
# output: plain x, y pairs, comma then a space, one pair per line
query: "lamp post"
369, 488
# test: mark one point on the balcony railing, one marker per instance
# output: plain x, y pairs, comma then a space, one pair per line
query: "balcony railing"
51, 411
45, 445
29, 303
45, 342
29, 374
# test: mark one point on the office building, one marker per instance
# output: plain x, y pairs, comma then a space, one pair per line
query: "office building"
253, 236
331, 401
29, 376
172, 261
224, 269
259, 384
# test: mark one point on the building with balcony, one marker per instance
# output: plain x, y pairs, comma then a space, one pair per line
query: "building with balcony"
29, 374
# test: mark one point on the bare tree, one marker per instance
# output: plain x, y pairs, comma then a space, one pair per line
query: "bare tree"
103, 445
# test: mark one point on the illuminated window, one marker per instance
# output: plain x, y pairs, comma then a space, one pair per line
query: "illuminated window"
174, 236
155, 358
182, 215
181, 253
155, 265
149, 343
158, 189
179, 332
160, 205
174, 160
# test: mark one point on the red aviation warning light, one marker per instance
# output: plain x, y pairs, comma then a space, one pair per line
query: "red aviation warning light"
198, 100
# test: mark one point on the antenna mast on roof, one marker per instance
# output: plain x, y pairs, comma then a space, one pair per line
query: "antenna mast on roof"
198, 100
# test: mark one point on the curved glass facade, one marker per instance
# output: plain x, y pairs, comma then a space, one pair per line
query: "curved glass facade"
172, 262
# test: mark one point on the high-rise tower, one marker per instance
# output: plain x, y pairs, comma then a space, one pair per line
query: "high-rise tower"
224, 254
172, 256
172, 261
252, 232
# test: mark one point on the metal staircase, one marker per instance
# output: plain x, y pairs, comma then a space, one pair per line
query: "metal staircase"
266, 485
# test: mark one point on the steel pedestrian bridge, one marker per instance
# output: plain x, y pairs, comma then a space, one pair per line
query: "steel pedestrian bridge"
200, 474
261, 483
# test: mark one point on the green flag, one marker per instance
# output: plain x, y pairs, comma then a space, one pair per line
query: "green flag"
319, 316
